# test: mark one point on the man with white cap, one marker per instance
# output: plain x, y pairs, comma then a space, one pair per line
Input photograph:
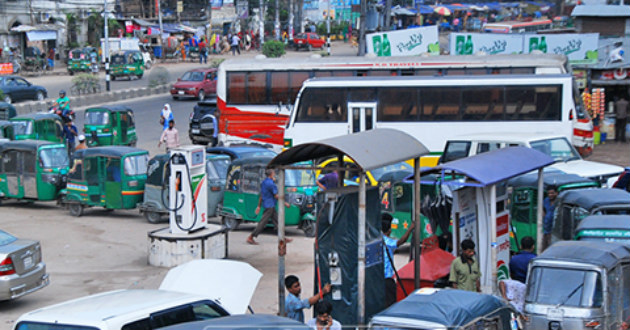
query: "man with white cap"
81, 144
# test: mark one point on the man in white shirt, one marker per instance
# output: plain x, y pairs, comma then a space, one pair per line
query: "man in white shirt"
323, 320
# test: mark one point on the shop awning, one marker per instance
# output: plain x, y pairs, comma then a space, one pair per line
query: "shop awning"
598, 82
41, 35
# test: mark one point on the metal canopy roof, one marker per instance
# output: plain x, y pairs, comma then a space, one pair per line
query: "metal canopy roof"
369, 149
491, 167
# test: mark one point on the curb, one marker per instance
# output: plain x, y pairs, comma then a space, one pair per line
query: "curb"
93, 99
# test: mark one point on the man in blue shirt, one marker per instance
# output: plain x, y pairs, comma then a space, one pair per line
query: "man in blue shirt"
268, 198
329, 181
549, 205
519, 262
293, 304
389, 247
69, 132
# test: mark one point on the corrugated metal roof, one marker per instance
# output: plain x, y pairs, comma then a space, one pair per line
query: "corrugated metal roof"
369, 149
601, 10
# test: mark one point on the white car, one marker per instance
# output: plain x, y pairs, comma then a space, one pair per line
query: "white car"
197, 290
567, 159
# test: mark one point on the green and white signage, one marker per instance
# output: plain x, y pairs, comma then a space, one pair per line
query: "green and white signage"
489, 43
406, 42
579, 48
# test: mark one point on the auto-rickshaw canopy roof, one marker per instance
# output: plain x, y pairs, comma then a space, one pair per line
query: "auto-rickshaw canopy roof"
369, 149
262, 160
111, 151
451, 308
28, 145
111, 108
593, 198
589, 252
37, 116
605, 221
243, 322
550, 177
494, 166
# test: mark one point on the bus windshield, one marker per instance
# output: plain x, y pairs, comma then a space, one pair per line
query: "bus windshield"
96, 118
136, 165
23, 127
565, 287
54, 157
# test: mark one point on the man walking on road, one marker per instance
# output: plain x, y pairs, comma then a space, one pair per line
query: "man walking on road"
268, 198
621, 111
235, 43
389, 247
465, 272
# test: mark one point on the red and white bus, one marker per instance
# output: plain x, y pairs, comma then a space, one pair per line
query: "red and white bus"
518, 26
255, 96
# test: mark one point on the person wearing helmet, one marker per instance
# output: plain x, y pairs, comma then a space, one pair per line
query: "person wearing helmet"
63, 102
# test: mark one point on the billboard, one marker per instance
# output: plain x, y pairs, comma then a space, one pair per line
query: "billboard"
404, 42
579, 48
489, 43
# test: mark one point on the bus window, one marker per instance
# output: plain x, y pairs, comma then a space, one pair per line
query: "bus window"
518, 70
322, 105
482, 104
362, 95
519, 103
343, 73
279, 87
397, 104
236, 88
382, 73
440, 104
476, 71
428, 72
296, 78
454, 72
257, 88
322, 74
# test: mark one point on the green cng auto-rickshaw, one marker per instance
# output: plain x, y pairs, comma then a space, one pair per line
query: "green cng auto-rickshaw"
242, 190
32, 170
6, 130
110, 177
127, 64
523, 200
110, 125
38, 126
156, 187
7, 111
80, 59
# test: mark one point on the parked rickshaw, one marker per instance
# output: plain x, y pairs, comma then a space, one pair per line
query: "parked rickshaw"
574, 205
430, 308
579, 285
80, 59
109, 177
34, 60
110, 125
524, 200
242, 191
127, 64
604, 228
156, 187
38, 126
32, 170
6, 130
7, 111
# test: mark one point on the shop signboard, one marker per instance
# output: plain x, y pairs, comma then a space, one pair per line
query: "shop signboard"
579, 48
489, 43
406, 42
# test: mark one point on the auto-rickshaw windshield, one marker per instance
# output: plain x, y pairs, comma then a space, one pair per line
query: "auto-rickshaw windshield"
402, 166
136, 165
22, 127
193, 76
559, 149
54, 157
118, 59
217, 168
299, 178
564, 286
96, 118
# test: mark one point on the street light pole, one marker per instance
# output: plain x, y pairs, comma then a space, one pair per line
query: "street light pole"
106, 37
328, 29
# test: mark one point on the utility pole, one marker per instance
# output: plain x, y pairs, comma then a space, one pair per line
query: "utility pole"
262, 24
388, 15
106, 38
291, 18
159, 15
328, 29
362, 28
277, 21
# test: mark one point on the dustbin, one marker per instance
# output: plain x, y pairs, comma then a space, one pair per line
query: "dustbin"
157, 51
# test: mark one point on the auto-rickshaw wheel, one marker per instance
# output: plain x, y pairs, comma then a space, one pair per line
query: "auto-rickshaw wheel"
308, 227
76, 209
153, 217
231, 222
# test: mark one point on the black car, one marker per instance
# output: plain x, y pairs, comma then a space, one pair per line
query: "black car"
16, 88
203, 123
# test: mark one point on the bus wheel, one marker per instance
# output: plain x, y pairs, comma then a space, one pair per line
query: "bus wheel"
231, 222
153, 217
76, 209
308, 227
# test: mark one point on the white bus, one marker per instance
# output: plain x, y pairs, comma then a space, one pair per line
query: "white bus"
250, 91
436, 109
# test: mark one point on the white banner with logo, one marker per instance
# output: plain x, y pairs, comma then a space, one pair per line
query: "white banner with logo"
579, 48
489, 43
406, 42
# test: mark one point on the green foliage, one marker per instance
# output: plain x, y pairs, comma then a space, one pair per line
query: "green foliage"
85, 83
216, 62
273, 48
158, 76
336, 28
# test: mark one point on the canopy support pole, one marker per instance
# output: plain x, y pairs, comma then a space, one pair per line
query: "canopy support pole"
539, 213
416, 217
361, 251
494, 246
281, 243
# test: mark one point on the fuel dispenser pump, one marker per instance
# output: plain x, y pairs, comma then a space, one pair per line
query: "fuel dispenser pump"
188, 192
